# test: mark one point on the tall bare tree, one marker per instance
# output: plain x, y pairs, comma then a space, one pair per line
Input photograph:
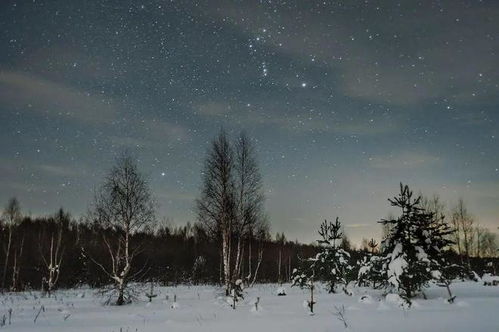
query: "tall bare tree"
261, 235
463, 223
216, 207
485, 242
51, 249
489, 244
16, 265
280, 239
249, 196
11, 218
123, 204
435, 205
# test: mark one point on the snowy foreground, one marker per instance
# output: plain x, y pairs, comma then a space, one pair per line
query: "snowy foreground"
202, 308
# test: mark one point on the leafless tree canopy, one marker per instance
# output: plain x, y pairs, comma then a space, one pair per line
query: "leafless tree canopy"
230, 206
463, 223
124, 201
216, 206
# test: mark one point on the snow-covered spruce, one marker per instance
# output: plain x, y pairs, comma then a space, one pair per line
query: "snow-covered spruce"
331, 264
370, 271
414, 249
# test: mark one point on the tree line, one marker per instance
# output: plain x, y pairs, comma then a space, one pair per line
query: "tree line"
168, 254
120, 240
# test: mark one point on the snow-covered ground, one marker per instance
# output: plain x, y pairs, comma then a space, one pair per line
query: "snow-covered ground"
203, 308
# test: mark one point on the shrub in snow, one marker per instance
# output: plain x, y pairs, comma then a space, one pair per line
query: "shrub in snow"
257, 302
370, 271
150, 295
414, 249
305, 279
236, 292
281, 291
331, 264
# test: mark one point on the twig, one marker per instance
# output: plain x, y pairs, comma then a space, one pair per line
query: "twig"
42, 308
340, 314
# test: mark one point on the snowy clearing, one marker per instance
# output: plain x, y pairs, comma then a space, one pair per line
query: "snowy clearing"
203, 308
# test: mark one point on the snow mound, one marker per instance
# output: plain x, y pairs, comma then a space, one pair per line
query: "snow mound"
396, 300
366, 299
393, 299
383, 307
487, 277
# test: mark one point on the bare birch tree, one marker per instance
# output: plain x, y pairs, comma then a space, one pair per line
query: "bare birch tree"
52, 251
261, 236
12, 217
216, 205
249, 196
434, 204
16, 265
123, 204
463, 223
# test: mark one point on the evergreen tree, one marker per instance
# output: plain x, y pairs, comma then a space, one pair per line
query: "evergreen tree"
370, 271
304, 278
414, 249
331, 264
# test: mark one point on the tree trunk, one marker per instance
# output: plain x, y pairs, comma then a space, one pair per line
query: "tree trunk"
237, 269
121, 297
279, 280
7, 256
240, 266
226, 260
16, 268
311, 304
249, 260
260, 257
221, 269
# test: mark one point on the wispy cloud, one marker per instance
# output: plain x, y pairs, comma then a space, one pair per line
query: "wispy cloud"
48, 98
358, 225
405, 160
293, 123
59, 170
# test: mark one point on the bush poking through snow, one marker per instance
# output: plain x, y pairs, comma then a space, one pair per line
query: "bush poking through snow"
150, 295
236, 292
331, 264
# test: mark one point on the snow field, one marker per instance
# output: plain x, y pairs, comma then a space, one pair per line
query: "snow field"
204, 308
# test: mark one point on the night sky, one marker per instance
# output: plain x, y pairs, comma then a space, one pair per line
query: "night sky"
344, 100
